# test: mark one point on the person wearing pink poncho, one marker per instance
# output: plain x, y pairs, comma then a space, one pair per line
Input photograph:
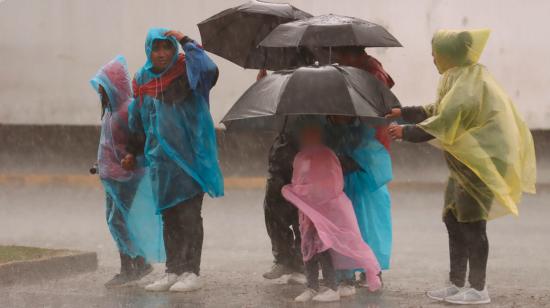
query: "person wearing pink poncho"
330, 234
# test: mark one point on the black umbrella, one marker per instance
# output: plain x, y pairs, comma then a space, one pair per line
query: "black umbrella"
234, 34
312, 90
330, 31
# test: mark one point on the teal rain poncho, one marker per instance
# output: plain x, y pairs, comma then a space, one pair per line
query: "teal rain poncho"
367, 187
172, 110
130, 212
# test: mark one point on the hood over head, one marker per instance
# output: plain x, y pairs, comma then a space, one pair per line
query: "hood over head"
115, 80
158, 34
458, 47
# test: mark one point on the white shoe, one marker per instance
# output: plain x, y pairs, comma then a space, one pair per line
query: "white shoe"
186, 283
470, 296
346, 290
162, 284
306, 296
328, 295
296, 278
441, 294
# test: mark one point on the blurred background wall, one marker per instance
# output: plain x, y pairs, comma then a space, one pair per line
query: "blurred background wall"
50, 48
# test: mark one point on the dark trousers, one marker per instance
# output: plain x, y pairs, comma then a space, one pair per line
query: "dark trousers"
183, 236
283, 228
323, 260
468, 244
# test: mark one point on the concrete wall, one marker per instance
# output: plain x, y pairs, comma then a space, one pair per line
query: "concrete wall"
69, 149
50, 48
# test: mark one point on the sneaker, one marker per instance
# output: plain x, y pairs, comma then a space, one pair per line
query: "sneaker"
306, 296
328, 295
117, 281
141, 272
296, 278
277, 271
187, 282
469, 296
441, 294
163, 284
346, 290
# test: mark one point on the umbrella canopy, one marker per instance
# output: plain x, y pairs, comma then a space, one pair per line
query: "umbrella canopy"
330, 31
312, 90
234, 34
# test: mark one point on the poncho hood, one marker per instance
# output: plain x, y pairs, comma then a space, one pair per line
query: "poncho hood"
115, 80
458, 47
158, 34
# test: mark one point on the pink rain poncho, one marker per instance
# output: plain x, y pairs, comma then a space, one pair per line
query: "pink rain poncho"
130, 207
327, 219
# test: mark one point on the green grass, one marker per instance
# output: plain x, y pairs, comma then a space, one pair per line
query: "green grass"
21, 253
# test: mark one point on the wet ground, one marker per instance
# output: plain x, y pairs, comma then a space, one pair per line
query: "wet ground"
237, 251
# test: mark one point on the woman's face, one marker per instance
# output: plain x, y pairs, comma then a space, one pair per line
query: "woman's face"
161, 55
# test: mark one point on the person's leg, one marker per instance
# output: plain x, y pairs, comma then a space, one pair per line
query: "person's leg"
329, 277
193, 234
278, 229
297, 263
311, 268
173, 237
478, 248
458, 251
329, 273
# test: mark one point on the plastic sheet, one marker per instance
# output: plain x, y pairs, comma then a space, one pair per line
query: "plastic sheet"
130, 208
180, 144
475, 122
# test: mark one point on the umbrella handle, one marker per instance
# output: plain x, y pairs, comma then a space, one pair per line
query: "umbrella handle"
329, 55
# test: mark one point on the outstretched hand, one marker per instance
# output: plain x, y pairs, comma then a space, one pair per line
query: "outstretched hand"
394, 114
396, 131
176, 34
261, 74
128, 163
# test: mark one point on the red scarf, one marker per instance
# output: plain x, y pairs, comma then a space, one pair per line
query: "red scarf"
152, 87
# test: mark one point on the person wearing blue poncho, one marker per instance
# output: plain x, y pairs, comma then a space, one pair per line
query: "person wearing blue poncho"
367, 171
171, 123
130, 211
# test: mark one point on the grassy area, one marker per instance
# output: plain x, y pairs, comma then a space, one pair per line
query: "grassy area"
21, 253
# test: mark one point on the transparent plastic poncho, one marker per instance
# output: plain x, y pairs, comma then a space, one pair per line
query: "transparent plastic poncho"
180, 146
367, 187
477, 125
130, 212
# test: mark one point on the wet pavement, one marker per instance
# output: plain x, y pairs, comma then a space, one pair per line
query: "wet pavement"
237, 251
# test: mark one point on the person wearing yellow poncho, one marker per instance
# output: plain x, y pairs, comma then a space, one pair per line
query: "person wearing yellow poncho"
488, 149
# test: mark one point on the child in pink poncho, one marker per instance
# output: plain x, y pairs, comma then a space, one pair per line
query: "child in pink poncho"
330, 235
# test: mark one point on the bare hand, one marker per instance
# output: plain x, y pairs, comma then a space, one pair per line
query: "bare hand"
176, 34
128, 163
261, 74
396, 131
394, 114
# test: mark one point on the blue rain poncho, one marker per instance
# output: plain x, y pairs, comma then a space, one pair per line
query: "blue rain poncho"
367, 186
172, 110
130, 210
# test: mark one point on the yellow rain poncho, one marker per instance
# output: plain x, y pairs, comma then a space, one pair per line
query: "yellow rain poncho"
489, 148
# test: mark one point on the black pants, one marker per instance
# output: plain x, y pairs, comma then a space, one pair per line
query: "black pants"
468, 244
283, 228
324, 261
183, 236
